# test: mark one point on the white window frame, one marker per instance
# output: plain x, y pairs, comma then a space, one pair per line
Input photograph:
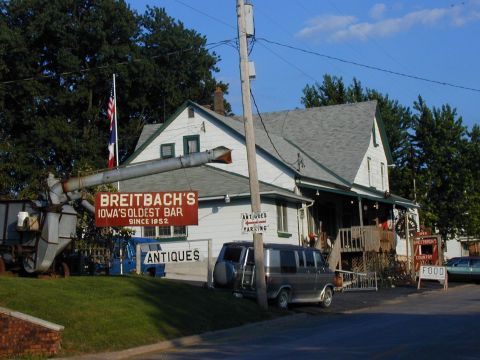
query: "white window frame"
282, 217
369, 169
382, 173
160, 232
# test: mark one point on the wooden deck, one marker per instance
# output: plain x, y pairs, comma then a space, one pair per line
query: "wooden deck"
360, 239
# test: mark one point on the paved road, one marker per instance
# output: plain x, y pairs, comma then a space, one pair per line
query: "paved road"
419, 325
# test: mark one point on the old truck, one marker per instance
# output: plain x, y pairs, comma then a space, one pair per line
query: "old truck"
34, 232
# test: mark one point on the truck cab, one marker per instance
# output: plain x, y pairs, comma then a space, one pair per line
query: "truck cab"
127, 262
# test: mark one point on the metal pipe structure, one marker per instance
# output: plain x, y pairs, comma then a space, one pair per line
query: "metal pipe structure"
60, 191
58, 219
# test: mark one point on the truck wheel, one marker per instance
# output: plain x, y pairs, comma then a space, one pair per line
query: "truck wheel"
282, 299
2, 266
327, 298
151, 272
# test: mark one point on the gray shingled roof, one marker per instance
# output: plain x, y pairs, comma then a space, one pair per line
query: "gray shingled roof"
147, 131
335, 136
207, 180
332, 140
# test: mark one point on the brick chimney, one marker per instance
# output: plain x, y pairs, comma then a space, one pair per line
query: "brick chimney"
218, 101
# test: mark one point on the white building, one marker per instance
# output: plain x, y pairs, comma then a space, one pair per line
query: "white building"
320, 169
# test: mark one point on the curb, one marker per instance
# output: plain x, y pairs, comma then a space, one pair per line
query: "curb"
185, 341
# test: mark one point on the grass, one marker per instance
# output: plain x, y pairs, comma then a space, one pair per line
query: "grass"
112, 313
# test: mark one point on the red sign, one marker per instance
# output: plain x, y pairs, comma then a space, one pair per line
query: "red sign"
176, 208
426, 251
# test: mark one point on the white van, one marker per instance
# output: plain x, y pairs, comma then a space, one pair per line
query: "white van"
293, 274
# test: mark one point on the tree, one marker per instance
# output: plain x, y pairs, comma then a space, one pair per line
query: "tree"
440, 144
56, 65
472, 184
331, 92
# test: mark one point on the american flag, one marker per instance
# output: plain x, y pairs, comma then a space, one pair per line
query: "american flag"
113, 134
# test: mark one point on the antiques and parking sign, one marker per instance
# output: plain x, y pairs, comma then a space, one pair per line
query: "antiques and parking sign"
256, 222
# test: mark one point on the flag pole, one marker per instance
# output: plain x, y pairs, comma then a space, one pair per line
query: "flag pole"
116, 156
116, 129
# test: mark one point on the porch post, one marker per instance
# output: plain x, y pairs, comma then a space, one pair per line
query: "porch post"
360, 211
407, 242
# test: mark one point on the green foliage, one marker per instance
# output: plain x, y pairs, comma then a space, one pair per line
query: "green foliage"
112, 313
65, 52
441, 151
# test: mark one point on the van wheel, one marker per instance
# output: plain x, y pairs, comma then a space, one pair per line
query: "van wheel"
327, 298
282, 299
2, 266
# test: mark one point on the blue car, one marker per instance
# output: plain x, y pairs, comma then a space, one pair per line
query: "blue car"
466, 268
129, 257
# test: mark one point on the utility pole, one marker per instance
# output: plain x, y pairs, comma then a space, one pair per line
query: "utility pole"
251, 155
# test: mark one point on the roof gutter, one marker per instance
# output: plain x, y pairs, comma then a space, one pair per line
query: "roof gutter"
381, 197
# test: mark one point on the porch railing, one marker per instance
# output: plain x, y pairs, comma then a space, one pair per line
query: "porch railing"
366, 238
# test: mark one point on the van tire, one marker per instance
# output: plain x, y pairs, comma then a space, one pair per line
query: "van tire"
327, 298
2, 266
282, 299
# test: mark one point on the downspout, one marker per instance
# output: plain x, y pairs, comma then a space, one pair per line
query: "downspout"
304, 208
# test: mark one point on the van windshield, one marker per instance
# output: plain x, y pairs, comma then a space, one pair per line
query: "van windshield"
232, 254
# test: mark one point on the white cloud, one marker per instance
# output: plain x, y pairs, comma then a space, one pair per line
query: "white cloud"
377, 11
343, 28
327, 23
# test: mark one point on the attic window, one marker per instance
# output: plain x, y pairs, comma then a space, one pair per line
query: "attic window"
167, 151
374, 135
191, 144
191, 113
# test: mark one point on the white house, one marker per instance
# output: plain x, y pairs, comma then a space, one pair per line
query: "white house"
320, 170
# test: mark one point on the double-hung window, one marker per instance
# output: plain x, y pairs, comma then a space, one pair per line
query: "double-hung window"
282, 220
164, 232
191, 144
369, 169
167, 151
383, 173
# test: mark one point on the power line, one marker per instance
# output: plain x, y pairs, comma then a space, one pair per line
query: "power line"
289, 62
371, 67
100, 67
207, 15
268, 134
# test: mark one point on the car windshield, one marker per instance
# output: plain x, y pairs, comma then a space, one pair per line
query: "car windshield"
451, 262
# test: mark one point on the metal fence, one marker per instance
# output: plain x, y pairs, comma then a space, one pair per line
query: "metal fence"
356, 281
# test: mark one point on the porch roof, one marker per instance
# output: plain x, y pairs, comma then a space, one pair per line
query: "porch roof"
370, 194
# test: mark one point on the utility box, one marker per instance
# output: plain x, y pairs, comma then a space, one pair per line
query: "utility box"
249, 26
252, 74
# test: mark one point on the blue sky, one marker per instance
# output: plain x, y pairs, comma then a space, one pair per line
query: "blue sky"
436, 40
